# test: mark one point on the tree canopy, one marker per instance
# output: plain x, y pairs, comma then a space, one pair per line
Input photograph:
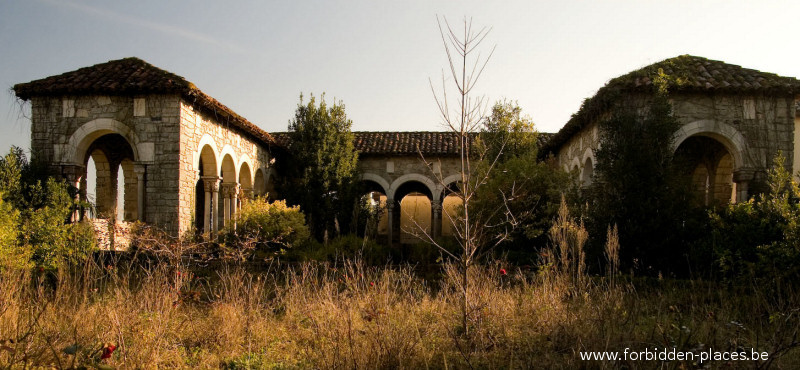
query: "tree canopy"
322, 170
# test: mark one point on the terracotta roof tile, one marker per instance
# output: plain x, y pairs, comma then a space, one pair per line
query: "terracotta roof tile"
402, 143
134, 76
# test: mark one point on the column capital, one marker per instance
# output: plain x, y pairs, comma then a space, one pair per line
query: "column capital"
230, 189
211, 183
743, 174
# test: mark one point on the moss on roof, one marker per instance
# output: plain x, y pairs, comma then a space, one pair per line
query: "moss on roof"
685, 73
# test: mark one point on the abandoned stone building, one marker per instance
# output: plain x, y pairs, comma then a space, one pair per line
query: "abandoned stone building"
186, 161
734, 121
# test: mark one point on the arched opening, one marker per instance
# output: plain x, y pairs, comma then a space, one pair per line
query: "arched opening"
110, 182
414, 216
451, 209
228, 191
259, 187
373, 208
246, 183
587, 173
710, 167
207, 168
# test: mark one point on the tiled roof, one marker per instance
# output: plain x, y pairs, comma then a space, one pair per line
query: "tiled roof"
401, 143
130, 76
685, 73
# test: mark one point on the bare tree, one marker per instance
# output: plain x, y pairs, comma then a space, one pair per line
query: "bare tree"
464, 119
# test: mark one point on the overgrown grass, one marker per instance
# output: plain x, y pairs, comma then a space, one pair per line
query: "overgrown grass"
349, 316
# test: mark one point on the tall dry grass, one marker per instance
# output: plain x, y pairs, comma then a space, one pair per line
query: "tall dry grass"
351, 316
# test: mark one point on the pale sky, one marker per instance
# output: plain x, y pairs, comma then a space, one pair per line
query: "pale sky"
256, 57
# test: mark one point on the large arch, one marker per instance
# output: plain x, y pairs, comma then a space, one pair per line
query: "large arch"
734, 143
727, 135
400, 181
115, 181
75, 150
378, 180
259, 183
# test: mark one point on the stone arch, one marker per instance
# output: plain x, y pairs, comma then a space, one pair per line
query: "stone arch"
206, 149
397, 183
587, 172
735, 144
378, 180
207, 161
449, 202
228, 168
228, 152
75, 150
115, 182
727, 135
245, 176
259, 182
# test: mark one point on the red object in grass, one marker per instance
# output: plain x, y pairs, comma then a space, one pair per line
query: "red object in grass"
371, 283
503, 272
107, 351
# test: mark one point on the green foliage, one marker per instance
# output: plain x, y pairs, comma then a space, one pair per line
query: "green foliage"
39, 207
761, 238
638, 188
266, 227
45, 230
507, 133
12, 253
321, 173
521, 193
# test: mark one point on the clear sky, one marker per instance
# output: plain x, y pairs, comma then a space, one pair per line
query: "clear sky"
256, 57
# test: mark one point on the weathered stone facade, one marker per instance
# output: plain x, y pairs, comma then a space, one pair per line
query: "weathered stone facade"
750, 123
187, 161
166, 145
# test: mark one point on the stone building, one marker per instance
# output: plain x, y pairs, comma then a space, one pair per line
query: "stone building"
733, 120
186, 161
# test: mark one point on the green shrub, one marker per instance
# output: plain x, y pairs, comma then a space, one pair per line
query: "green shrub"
12, 254
761, 238
47, 234
266, 227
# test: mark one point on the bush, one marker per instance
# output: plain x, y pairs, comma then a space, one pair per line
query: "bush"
12, 254
39, 208
266, 227
761, 238
47, 234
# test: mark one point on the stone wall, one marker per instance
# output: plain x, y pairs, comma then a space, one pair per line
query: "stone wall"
397, 170
58, 124
199, 129
753, 128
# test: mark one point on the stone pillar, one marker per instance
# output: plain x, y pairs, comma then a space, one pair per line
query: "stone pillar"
436, 218
389, 221
141, 171
230, 193
211, 186
742, 178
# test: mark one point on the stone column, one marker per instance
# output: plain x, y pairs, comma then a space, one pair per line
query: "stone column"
230, 192
389, 221
436, 218
141, 171
742, 178
211, 186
